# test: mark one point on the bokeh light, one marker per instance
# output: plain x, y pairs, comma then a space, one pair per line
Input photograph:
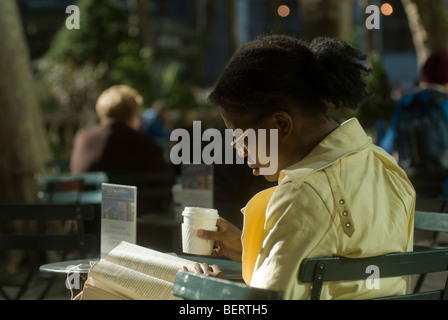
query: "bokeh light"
283, 11
387, 9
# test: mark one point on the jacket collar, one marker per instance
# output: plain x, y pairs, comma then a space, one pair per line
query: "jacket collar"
348, 138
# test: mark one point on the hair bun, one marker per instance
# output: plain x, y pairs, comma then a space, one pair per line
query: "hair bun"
341, 68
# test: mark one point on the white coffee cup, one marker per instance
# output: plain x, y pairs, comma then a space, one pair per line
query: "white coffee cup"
195, 218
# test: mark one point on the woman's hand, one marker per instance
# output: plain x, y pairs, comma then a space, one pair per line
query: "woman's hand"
228, 239
207, 270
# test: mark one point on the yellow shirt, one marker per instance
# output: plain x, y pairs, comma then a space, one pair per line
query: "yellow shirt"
253, 231
347, 198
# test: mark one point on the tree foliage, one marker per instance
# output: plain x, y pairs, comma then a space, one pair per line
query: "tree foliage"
103, 27
379, 104
82, 63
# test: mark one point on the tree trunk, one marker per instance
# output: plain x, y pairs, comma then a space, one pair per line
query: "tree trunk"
233, 27
327, 18
428, 21
139, 22
23, 144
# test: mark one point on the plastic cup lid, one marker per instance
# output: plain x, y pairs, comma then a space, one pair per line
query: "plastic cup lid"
206, 212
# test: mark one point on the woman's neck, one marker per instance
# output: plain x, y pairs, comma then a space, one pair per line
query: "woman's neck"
306, 136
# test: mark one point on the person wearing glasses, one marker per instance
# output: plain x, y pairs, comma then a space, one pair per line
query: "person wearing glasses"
337, 195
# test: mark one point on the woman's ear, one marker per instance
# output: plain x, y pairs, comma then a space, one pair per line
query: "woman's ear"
283, 122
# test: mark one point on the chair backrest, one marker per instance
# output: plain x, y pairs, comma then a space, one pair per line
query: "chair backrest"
41, 241
68, 191
319, 270
428, 227
153, 189
91, 184
198, 287
431, 221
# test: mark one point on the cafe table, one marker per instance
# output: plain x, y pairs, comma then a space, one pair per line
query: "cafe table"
74, 270
78, 270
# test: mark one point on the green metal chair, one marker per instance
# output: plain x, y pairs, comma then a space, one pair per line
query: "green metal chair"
64, 191
431, 221
37, 244
198, 287
90, 189
435, 222
319, 270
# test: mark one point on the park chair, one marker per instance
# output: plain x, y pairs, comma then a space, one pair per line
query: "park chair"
319, 270
191, 286
40, 243
63, 191
153, 189
90, 189
431, 221
435, 222
426, 233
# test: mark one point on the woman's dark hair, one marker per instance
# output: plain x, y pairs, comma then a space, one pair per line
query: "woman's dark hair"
274, 72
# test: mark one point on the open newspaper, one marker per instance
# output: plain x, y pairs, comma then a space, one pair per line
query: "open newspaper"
134, 272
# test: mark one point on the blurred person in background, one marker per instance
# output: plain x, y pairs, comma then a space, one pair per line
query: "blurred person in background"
152, 123
116, 145
418, 132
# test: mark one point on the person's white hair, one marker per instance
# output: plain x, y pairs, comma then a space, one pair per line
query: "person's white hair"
118, 102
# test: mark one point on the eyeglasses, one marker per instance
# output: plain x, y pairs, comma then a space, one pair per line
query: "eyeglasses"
240, 147
238, 144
